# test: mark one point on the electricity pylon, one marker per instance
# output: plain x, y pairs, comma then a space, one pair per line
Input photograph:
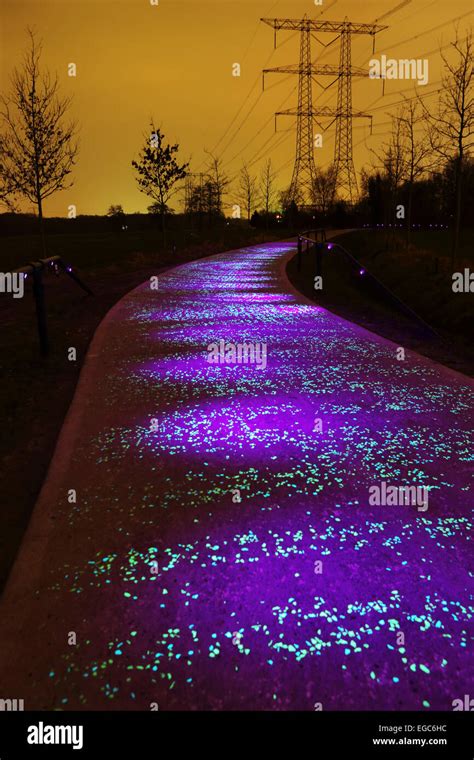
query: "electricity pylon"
304, 167
344, 170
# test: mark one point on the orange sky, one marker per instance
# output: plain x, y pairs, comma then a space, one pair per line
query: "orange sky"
174, 61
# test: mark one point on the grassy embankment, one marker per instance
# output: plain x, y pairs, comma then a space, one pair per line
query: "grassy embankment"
420, 276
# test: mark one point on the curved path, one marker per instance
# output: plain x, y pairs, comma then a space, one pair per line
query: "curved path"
221, 551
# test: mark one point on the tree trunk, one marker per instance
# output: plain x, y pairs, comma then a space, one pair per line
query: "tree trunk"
41, 226
457, 213
410, 204
163, 229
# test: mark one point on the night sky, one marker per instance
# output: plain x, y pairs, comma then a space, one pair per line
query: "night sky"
174, 62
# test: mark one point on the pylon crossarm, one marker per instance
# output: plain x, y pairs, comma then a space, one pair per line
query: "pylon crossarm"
328, 112
321, 70
291, 68
334, 27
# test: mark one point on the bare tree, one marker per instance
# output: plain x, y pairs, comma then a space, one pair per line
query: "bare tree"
217, 179
7, 199
247, 190
416, 149
323, 190
38, 148
267, 188
7, 196
451, 126
390, 166
393, 157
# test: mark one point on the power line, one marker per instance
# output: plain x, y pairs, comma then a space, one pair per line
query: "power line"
393, 10
268, 145
259, 132
237, 131
419, 10
424, 53
433, 29
232, 122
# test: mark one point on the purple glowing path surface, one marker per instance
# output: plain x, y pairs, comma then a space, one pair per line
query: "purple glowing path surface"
221, 551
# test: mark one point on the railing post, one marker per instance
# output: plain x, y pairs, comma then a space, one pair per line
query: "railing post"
35, 268
38, 292
318, 259
300, 246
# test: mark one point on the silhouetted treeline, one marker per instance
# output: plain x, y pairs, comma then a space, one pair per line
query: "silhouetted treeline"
27, 224
433, 202
433, 198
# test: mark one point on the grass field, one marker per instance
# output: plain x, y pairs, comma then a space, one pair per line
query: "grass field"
420, 276
125, 250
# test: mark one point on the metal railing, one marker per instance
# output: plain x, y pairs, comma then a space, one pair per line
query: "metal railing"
36, 269
320, 245
317, 243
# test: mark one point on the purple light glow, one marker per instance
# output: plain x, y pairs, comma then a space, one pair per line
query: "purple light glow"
164, 492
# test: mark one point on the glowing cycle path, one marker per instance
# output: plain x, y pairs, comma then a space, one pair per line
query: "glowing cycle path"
203, 542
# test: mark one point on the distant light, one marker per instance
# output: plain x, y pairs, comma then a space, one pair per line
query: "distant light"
361, 271
330, 246
69, 269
